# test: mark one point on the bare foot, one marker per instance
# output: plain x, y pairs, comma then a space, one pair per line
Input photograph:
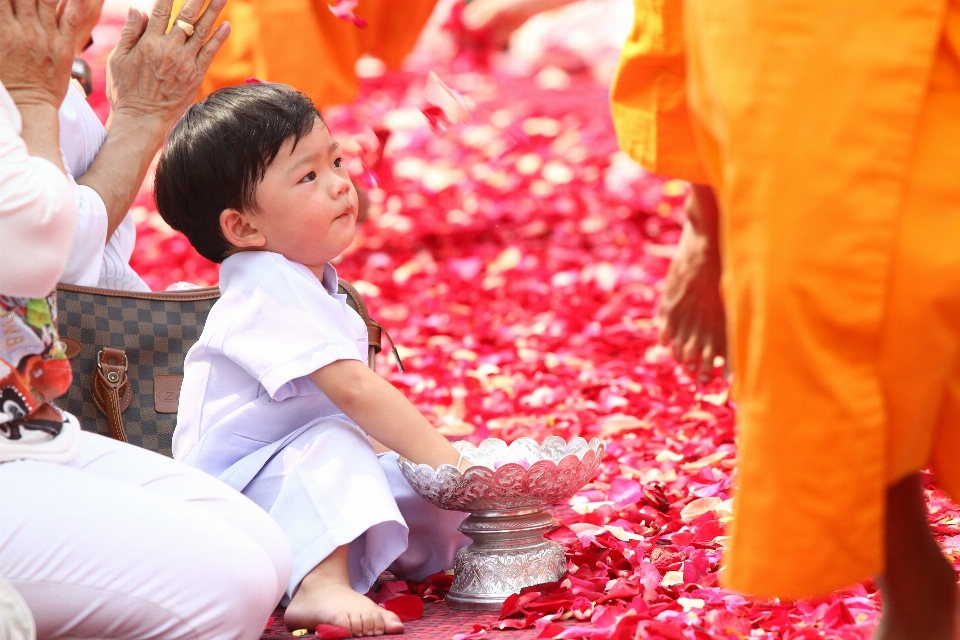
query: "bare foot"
326, 597
342, 607
919, 587
931, 620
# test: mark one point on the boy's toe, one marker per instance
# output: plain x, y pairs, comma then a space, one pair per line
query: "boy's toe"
379, 625
369, 623
343, 620
392, 623
355, 625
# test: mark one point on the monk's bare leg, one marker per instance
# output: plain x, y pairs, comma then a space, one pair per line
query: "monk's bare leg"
919, 588
326, 597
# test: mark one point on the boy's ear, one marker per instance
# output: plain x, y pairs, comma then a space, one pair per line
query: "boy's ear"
239, 229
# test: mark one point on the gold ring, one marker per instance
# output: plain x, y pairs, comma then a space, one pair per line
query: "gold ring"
186, 26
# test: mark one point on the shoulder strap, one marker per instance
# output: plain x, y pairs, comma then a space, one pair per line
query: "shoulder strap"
374, 328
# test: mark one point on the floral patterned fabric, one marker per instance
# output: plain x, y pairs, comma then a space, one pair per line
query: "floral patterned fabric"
33, 364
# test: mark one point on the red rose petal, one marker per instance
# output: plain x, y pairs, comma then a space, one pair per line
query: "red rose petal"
624, 491
562, 535
332, 632
479, 631
407, 607
663, 629
447, 106
548, 629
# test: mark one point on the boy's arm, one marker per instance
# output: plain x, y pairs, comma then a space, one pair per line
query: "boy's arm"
383, 412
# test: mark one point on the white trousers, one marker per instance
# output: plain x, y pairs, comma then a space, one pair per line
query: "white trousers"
125, 543
328, 488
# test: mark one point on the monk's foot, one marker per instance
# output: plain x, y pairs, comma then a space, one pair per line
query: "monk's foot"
319, 602
919, 586
934, 618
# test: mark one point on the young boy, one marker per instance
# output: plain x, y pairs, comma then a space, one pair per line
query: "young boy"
276, 398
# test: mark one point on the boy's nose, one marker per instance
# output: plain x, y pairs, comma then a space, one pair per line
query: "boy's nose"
342, 185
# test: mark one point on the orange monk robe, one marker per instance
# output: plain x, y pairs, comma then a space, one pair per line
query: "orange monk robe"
832, 137
302, 44
649, 96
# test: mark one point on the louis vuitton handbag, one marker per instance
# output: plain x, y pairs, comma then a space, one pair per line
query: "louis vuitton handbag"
127, 350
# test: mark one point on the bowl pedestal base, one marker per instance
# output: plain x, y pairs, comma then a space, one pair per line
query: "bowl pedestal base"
508, 553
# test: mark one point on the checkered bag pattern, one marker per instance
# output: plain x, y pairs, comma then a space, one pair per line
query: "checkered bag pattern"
154, 329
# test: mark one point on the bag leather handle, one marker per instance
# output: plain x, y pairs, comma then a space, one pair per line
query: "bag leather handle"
111, 389
374, 328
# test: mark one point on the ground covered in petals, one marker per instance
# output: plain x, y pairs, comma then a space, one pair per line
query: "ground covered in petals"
516, 259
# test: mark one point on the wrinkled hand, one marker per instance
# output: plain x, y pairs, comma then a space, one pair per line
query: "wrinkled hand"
156, 74
36, 49
691, 309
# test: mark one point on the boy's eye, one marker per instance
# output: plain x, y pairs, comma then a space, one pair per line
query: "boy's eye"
338, 163
310, 177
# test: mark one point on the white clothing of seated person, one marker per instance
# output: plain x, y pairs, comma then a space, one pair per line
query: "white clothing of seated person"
250, 415
93, 261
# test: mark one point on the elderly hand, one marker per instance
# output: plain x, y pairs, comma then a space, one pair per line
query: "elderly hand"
156, 74
152, 76
36, 49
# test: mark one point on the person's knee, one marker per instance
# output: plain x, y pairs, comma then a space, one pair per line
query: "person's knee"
220, 578
271, 538
248, 588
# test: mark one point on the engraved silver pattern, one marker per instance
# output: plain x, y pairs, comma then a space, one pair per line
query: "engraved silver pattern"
505, 494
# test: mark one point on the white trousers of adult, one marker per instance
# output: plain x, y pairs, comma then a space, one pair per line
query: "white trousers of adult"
125, 543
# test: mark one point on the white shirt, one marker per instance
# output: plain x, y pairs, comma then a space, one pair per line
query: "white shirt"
38, 213
245, 382
92, 263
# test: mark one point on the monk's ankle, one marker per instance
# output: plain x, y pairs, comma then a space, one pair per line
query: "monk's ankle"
913, 610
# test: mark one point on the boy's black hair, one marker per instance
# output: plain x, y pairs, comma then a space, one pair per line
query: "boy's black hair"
219, 152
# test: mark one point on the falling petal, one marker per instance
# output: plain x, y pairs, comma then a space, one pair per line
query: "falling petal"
447, 106
343, 10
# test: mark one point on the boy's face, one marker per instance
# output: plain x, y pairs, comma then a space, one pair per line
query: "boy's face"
307, 203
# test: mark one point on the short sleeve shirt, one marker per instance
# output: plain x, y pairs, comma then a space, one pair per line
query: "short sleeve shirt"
245, 380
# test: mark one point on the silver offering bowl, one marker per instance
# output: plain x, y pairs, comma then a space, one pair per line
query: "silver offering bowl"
505, 495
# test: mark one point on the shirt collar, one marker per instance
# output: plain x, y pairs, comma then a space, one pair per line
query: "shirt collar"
330, 281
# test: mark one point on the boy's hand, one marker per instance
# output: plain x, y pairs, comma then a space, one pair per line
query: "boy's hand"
466, 463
